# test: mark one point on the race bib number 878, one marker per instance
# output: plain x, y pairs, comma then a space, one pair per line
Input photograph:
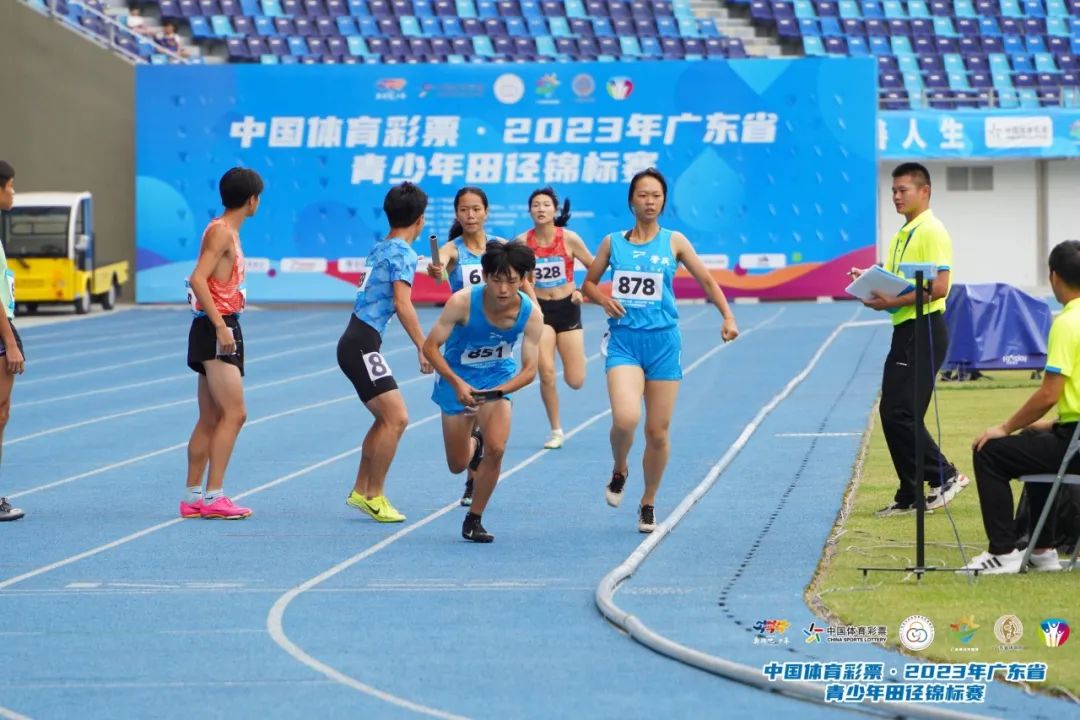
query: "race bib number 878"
637, 287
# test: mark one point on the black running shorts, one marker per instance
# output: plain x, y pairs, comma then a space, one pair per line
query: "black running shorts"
18, 341
563, 315
202, 344
359, 358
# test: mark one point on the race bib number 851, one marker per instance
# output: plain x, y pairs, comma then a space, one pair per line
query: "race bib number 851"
483, 355
637, 287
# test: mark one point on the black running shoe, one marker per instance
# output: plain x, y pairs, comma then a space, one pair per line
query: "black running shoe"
471, 529
615, 488
7, 512
478, 453
646, 519
466, 498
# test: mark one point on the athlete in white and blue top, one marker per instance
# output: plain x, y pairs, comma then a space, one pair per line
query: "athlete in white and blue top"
384, 290
643, 345
460, 256
472, 349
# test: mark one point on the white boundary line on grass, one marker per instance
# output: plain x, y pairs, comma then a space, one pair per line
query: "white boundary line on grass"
641, 633
275, 618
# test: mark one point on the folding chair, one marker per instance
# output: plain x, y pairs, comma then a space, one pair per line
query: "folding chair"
1061, 477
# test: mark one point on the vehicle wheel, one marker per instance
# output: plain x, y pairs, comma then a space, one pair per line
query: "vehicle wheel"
30, 308
82, 303
108, 300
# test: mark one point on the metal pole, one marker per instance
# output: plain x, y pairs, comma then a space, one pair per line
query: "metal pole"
917, 369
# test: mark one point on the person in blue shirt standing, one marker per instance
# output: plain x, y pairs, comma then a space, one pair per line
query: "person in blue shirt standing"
385, 289
644, 345
479, 327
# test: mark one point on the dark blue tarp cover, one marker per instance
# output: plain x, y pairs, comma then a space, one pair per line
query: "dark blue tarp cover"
995, 327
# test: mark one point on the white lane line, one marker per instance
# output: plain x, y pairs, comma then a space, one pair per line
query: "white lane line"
176, 403
819, 434
274, 620
11, 714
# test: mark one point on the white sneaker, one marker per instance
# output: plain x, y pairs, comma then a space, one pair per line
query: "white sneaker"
1046, 562
555, 441
988, 564
944, 495
961, 480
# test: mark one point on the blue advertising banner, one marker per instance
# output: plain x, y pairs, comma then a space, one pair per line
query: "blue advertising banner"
1045, 132
770, 164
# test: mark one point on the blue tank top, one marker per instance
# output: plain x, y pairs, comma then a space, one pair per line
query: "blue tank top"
467, 272
643, 281
478, 348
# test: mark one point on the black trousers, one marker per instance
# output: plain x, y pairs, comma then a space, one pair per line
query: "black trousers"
1002, 460
900, 406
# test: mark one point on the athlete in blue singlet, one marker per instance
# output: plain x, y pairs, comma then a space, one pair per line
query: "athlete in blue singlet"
480, 327
643, 345
459, 257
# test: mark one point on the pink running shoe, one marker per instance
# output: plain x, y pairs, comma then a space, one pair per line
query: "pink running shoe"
224, 509
190, 510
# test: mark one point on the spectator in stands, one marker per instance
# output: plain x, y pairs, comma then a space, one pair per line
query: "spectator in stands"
169, 40
136, 22
12, 361
922, 239
1039, 448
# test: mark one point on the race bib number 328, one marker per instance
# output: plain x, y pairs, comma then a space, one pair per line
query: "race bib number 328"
637, 287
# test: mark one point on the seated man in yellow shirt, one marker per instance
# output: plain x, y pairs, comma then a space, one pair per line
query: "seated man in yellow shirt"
1001, 456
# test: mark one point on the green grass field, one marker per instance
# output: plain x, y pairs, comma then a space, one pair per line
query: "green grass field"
840, 593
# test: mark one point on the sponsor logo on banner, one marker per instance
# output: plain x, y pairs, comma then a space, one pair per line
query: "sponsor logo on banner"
509, 88
1008, 630
916, 632
547, 85
619, 88
813, 633
1055, 631
390, 89
351, 264
583, 86
1014, 359
762, 261
715, 261
452, 91
256, 264
303, 265
1019, 132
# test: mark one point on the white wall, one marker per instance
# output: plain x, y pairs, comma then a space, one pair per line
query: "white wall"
1063, 201
994, 233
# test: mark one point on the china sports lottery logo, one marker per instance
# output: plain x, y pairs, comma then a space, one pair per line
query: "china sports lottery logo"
916, 633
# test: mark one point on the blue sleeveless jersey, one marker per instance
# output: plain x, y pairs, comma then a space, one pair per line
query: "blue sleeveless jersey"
467, 272
643, 281
480, 353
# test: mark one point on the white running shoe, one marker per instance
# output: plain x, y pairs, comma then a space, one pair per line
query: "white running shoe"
988, 564
555, 441
1046, 562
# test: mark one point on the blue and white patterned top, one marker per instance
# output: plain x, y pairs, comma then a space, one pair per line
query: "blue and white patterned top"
390, 260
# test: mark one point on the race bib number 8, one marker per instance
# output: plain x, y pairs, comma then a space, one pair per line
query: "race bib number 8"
472, 274
377, 368
550, 273
483, 355
637, 287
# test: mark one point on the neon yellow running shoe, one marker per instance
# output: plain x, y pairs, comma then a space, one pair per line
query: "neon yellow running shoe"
378, 508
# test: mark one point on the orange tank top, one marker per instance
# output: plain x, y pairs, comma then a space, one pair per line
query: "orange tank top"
556, 250
229, 296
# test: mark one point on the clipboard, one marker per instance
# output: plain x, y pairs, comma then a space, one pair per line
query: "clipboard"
878, 279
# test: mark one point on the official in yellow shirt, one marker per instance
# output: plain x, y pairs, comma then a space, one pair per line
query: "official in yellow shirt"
1001, 456
922, 239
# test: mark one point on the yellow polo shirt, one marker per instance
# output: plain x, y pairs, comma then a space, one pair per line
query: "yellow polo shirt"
923, 240
1063, 357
